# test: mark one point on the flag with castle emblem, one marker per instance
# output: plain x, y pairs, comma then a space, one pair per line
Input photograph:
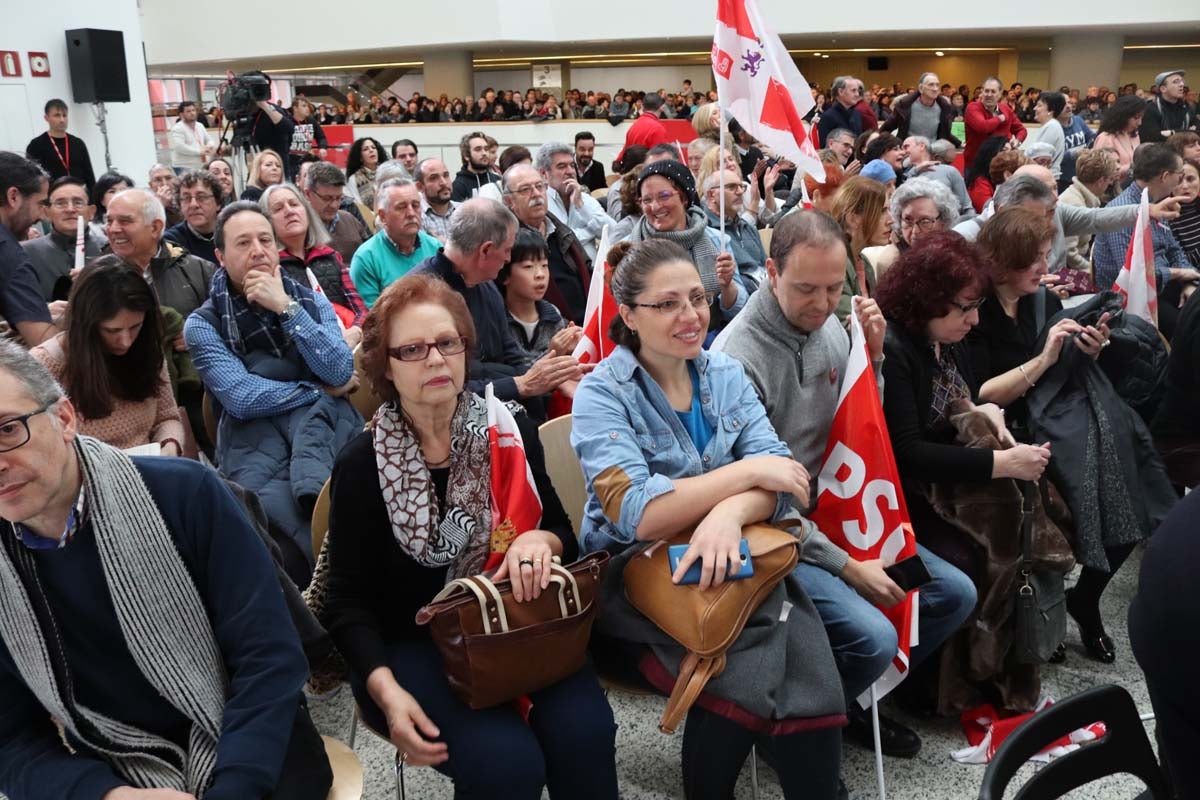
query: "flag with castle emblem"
759, 84
516, 504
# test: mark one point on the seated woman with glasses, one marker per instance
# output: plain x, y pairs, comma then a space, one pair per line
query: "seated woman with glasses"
932, 299
410, 512
671, 212
110, 361
919, 207
305, 255
671, 438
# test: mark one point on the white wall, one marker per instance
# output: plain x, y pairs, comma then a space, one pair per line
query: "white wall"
646, 79
172, 35
131, 140
501, 79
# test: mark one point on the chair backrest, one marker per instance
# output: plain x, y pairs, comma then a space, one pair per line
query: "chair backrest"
364, 399
600, 194
347, 771
320, 519
765, 235
1124, 748
562, 465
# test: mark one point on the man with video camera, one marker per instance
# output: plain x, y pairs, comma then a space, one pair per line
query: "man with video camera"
267, 125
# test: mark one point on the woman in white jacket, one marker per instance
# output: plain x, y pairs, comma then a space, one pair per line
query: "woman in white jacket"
1049, 106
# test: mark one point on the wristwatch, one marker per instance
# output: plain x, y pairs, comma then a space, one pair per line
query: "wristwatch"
290, 311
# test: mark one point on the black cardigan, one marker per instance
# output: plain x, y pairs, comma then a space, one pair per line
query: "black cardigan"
922, 455
1177, 417
375, 588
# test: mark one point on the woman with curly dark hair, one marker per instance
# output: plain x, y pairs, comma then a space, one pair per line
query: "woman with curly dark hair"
365, 155
931, 299
1119, 131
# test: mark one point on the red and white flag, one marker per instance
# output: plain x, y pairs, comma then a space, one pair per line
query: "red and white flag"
600, 310
1135, 281
860, 506
516, 504
759, 84
986, 729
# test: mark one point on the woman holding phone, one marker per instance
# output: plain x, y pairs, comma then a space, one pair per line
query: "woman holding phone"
673, 438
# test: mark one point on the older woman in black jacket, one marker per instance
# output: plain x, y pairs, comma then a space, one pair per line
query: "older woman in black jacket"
931, 298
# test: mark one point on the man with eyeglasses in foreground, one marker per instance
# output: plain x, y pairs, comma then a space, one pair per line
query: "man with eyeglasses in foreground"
795, 352
198, 195
53, 256
129, 666
744, 241
479, 244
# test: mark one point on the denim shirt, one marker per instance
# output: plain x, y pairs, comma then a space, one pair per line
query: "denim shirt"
632, 445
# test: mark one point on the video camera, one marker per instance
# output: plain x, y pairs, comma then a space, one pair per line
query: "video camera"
240, 95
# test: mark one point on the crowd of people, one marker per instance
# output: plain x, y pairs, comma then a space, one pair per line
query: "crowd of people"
329, 328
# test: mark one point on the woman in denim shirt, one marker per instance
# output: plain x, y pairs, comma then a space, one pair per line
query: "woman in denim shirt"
673, 438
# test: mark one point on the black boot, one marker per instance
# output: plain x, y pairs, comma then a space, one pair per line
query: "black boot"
895, 739
1091, 630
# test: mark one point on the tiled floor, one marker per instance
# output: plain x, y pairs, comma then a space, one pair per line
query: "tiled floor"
648, 762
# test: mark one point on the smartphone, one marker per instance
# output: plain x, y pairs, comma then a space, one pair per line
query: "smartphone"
692, 576
909, 573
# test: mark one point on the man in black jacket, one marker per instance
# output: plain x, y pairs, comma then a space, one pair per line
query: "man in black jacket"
847, 91
480, 242
1169, 112
924, 112
476, 167
59, 152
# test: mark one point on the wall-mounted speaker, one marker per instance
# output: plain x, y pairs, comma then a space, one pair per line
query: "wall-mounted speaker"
97, 60
877, 63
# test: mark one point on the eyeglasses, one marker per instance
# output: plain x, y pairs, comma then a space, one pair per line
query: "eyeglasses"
736, 188
528, 189
418, 351
674, 305
75, 202
14, 432
199, 197
922, 224
327, 199
661, 198
969, 307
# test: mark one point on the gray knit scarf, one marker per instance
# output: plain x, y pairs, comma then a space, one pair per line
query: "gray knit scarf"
161, 615
693, 238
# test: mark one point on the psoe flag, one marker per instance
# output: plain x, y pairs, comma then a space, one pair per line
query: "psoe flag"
860, 505
516, 504
759, 84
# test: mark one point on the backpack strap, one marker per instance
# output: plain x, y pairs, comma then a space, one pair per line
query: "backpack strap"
694, 673
1039, 310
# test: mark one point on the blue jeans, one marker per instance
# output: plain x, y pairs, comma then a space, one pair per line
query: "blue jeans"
569, 743
862, 638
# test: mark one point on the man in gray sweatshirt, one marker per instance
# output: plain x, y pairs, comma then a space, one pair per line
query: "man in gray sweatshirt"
795, 353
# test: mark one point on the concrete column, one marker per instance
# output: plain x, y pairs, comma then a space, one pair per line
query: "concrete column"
1080, 59
1008, 64
449, 72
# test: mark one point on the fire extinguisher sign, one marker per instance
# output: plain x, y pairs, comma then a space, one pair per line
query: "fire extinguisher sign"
10, 64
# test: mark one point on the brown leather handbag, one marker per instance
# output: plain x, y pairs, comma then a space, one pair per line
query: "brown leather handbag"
496, 649
706, 622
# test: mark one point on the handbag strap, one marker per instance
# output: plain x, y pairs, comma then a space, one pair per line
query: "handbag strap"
694, 673
491, 606
1028, 492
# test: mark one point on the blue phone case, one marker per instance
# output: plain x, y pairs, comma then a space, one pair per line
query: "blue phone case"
692, 576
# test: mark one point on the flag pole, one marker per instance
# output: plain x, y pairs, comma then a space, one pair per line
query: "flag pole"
878, 748
721, 165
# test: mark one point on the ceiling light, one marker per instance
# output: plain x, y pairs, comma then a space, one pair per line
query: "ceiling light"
816, 54
825, 56
938, 53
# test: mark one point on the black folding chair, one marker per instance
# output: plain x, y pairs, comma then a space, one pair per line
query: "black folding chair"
1124, 748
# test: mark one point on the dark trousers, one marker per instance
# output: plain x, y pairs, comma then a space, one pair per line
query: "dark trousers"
306, 774
568, 745
714, 749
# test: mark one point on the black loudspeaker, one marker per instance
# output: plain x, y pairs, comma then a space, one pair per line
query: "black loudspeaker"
877, 63
98, 71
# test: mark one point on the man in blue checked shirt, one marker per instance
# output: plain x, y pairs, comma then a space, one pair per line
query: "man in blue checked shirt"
271, 355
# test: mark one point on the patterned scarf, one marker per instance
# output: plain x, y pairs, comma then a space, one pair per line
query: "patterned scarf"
161, 615
246, 327
460, 538
693, 238
364, 181
948, 386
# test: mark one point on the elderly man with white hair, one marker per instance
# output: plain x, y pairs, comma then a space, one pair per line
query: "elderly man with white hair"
745, 243
567, 199
920, 163
162, 182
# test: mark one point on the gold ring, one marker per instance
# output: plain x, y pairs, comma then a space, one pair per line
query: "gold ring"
537, 561
404, 758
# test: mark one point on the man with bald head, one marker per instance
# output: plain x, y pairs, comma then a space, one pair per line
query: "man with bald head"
479, 244
525, 194
745, 243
